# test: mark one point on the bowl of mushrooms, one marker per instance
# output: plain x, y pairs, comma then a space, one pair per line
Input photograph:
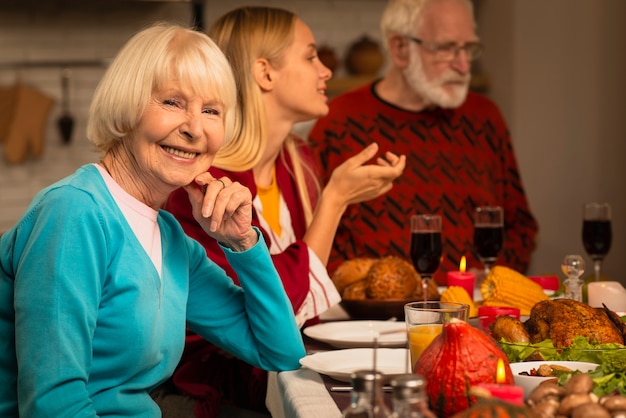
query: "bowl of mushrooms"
575, 399
529, 374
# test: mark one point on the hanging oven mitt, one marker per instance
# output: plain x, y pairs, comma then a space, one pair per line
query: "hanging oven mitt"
28, 124
7, 107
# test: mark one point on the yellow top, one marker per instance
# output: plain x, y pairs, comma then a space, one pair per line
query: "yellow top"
270, 201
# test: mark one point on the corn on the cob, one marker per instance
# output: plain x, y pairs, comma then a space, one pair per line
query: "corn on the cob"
459, 294
506, 287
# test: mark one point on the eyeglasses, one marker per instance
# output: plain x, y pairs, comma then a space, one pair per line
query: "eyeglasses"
450, 50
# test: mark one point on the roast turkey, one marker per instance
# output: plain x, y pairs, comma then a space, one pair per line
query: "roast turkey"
562, 320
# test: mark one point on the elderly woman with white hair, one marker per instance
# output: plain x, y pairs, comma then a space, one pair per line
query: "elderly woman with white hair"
97, 283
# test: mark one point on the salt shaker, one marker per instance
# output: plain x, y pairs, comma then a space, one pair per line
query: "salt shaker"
367, 396
409, 398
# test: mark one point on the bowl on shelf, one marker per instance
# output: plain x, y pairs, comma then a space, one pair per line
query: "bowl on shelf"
528, 383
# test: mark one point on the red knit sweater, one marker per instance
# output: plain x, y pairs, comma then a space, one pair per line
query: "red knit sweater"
457, 159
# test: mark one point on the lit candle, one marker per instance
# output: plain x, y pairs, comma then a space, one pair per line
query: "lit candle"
508, 393
462, 278
500, 372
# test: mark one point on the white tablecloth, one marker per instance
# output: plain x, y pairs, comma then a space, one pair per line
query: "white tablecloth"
299, 394
302, 393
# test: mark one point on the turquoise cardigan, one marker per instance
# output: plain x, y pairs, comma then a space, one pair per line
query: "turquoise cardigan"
87, 326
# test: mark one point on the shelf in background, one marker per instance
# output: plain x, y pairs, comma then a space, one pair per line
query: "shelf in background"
339, 85
479, 83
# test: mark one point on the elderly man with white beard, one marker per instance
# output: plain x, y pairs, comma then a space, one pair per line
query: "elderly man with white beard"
459, 152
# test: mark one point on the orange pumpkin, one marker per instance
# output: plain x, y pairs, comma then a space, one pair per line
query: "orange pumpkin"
460, 357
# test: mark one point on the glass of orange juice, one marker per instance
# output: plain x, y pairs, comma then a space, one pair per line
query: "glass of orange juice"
424, 321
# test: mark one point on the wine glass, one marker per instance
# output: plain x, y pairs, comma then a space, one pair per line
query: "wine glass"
488, 234
597, 233
426, 247
573, 266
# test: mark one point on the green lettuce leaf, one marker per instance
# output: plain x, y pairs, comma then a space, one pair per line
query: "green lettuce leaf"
609, 377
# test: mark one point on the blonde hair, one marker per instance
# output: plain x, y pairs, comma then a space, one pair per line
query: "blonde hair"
403, 17
244, 35
152, 57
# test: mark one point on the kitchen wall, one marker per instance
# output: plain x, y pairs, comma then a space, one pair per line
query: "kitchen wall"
43, 31
566, 112
555, 68
56, 30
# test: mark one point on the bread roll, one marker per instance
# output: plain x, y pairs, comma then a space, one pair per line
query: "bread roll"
355, 290
391, 277
351, 271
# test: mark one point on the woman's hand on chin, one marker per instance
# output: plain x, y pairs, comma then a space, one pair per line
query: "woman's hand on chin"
224, 210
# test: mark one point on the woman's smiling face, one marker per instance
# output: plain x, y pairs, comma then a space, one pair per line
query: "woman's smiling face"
177, 137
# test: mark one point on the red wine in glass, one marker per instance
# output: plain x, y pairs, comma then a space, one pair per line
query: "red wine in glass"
426, 251
488, 234
488, 240
426, 247
597, 235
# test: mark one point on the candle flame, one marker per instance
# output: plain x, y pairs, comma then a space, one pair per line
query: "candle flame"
500, 372
462, 264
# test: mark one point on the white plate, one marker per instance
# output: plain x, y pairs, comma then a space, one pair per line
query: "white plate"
359, 334
339, 364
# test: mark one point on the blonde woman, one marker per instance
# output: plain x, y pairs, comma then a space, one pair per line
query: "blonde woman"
281, 82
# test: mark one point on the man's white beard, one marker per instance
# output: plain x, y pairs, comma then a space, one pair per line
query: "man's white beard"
436, 92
